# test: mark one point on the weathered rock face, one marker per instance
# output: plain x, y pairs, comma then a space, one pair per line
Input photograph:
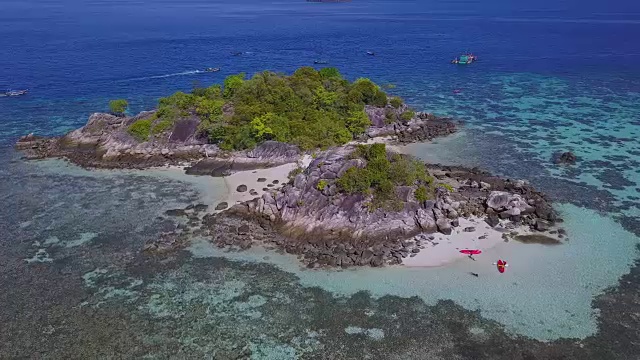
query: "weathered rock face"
307, 215
509, 205
105, 142
304, 211
422, 127
267, 154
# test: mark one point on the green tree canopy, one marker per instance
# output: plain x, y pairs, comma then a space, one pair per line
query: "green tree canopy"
118, 106
310, 108
382, 173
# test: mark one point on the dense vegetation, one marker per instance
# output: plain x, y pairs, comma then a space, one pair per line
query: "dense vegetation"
312, 109
118, 107
383, 172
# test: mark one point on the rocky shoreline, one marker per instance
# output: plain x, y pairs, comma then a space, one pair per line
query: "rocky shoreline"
104, 142
329, 228
309, 216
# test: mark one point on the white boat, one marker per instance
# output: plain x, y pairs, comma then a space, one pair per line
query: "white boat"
14, 93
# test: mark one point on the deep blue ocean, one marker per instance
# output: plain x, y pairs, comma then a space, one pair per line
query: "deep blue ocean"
75, 55
552, 76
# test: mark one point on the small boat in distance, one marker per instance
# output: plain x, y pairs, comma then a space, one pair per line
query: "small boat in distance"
371, 53
320, 62
237, 53
212, 69
465, 59
8, 93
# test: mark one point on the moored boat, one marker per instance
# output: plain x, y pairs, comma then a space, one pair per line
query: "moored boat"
14, 93
465, 59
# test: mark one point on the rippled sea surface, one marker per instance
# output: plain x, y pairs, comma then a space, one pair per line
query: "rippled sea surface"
552, 77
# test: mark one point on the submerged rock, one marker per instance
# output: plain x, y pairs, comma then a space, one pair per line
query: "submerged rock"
537, 239
222, 206
565, 158
176, 212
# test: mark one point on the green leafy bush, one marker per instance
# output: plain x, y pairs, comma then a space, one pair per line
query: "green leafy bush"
389, 116
118, 107
355, 180
407, 172
407, 115
293, 173
380, 99
330, 72
161, 126
382, 174
311, 109
322, 184
141, 129
396, 102
232, 83
422, 194
448, 187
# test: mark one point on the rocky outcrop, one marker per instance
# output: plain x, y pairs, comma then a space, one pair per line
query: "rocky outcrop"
104, 142
307, 215
422, 127
567, 158
267, 154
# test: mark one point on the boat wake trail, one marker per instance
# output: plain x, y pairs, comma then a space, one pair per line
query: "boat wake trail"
183, 73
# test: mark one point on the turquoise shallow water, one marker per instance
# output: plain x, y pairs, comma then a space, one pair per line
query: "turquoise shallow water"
552, 77
545, 294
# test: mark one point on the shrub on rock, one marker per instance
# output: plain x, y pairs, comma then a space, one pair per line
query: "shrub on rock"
141, 129
118, 107
322, 184
396, 102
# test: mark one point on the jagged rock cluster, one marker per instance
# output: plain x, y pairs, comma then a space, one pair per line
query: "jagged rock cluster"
567, 158
104, 142
422, 127
267, 154
326, 225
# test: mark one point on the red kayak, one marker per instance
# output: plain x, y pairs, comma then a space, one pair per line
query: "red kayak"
502, 265
471, 252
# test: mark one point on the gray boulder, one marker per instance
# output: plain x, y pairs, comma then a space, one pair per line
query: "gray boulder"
222, 206
444, 226
542, 225
426, 221
502, 200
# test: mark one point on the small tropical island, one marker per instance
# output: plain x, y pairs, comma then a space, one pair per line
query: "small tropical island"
340, 193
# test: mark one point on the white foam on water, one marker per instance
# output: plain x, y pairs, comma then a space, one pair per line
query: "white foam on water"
182, 73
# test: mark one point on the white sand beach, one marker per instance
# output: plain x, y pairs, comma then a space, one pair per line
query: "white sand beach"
250, 179
445, 249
